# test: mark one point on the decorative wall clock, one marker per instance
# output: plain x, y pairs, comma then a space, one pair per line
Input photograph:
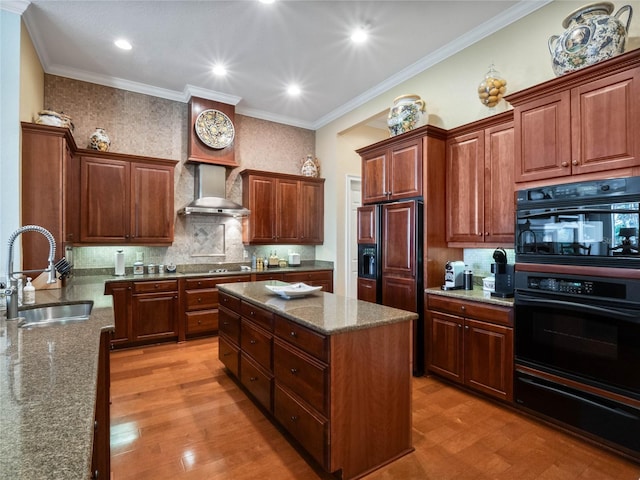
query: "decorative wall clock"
214, 129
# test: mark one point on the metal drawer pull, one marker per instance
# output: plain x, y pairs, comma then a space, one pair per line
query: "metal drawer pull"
252, 342
294, 371
293, 334
294, 418
253, 379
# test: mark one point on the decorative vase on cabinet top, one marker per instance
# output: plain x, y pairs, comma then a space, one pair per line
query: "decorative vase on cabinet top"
310, 167
592, 35
407, 113
99, 140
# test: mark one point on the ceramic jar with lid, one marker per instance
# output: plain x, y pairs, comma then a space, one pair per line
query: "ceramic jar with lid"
592, 35
407, 113
99, 140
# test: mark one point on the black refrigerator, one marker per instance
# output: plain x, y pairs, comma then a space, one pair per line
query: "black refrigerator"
390, 260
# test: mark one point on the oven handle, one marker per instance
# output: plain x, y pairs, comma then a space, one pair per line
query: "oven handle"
523, 214
578, 397
522, 299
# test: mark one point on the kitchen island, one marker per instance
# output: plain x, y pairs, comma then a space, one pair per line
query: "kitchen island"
49, 389
334, 372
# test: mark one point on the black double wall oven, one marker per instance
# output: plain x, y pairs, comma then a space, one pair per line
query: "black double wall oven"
577, 308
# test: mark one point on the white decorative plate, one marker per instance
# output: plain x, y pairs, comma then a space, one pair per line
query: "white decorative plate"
294, 290
215, 129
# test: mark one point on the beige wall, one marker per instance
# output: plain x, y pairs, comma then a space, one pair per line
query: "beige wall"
519, 52
31, 78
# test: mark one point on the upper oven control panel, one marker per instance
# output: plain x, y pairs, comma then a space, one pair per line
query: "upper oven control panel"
576, 287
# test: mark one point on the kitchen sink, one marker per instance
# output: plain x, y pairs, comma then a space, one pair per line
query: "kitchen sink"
54, 314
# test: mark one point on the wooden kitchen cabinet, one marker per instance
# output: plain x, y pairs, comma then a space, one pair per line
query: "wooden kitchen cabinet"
471, 343
126, 199
583, 122
367, 290
121, 293
200, 300
480, 185
367, 225
285, 209
392, 172
50, 190
101, 456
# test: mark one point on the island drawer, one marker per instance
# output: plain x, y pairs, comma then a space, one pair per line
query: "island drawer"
203, 321
201, 299
229, 324
311, 342
256, 342
302, 374
479, 311
229, 301
306, 427
256, 381
152, 287
260, 316
229, 355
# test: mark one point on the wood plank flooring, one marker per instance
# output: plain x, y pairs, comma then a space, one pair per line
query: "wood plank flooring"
175, 414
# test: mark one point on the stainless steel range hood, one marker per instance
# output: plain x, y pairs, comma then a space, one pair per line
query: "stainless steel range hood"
210, 194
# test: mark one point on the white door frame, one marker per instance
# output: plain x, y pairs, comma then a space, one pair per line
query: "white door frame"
353, 194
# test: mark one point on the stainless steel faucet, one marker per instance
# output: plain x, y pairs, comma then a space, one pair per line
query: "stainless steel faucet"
11, 292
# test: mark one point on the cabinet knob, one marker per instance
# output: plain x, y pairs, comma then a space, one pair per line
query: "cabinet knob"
486, 234
466, 327
226, 354
565, 164
95, 425
253, 379
294, 371
294, 418
575, 162
252, 342
95, 475
199, 283
199, 322
199, 300
155, 285
463, 308
293, 334
479, 234
225, 323
459, 325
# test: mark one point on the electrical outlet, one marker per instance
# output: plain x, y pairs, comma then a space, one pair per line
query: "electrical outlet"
245, 254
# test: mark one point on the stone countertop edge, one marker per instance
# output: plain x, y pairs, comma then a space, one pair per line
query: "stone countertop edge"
48, 383
477, 295
326, 313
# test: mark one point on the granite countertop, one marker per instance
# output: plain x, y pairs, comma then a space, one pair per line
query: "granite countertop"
323, 312
48, 379
477, 295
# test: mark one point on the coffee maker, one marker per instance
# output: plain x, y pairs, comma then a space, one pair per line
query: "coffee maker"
503, 272
453, 275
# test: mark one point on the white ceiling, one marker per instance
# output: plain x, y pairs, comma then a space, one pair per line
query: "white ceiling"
265, 47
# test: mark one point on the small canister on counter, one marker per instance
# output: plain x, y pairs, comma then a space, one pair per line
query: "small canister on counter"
468, 279
151, 268
161, 268
138, 268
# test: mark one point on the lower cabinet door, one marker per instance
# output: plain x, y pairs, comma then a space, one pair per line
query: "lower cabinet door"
229, 355
308, 428
257, 381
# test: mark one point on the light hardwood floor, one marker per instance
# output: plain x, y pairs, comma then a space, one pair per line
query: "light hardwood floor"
175, 414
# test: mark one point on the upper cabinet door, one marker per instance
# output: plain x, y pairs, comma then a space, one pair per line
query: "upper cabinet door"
404, 171
543, 142
613, 102
152, 206
311, 212
374, 178
399, 232
499, 200
261, 200
104, 202
287, 206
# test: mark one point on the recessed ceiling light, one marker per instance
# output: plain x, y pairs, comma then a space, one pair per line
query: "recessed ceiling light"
123, 44
267, 1
293, 90
219, 70
359, 35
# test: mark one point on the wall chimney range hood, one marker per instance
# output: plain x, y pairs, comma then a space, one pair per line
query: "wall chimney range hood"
209, 193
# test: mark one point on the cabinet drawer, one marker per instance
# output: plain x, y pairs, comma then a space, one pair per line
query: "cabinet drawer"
229, 355
261, 277
256, 343
301, 374
479, 311
311, 342
202, 282
256, 381
203, 321
159, 286
229, 324
260, 316
307, 428
229, 301
308, 276
201, 299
